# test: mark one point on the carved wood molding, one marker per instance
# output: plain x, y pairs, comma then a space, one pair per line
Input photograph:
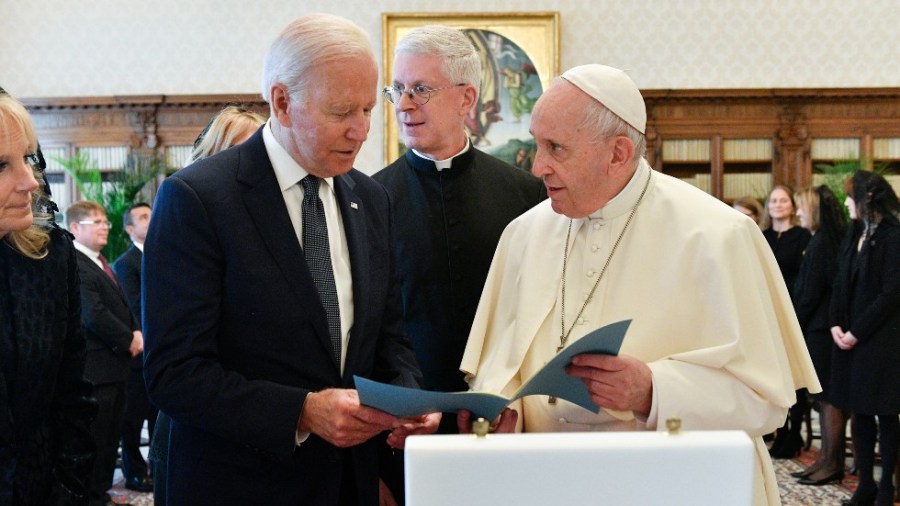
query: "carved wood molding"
790, 117
139, 121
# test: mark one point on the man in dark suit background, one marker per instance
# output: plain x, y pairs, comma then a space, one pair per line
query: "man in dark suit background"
127, 267
264, 295
113, 338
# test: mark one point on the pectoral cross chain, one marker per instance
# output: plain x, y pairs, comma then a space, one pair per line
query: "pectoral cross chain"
552, 399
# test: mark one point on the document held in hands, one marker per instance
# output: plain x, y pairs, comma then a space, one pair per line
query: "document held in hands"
551, 380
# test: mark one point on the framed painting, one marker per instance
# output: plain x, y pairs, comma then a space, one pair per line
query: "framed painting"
519, 55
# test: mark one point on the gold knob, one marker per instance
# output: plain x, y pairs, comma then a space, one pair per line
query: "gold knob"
481, 427
673, 424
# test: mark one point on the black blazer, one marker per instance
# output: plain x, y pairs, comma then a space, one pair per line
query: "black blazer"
866, 301
812, 290
109, 324
45, 403
236, 335
128, 269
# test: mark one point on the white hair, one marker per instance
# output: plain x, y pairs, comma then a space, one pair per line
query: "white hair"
309, 42
462, 65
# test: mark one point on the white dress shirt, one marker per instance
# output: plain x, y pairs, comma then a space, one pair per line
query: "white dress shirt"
93, 255
289, 174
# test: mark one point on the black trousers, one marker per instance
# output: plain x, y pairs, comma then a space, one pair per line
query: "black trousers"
137, 409
105, 432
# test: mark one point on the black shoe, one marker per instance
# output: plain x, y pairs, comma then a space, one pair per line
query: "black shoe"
139, 484
802, 474
809, 480
861, 499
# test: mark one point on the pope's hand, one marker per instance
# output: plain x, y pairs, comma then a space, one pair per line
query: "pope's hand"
425, 424
620, 383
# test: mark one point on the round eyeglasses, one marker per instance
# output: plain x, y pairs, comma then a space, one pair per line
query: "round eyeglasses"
419, 94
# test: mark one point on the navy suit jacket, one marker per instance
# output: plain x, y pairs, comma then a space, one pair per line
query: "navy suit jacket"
128, 270
236, 336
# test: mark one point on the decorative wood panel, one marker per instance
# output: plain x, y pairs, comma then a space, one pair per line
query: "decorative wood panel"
790, 118
787, 121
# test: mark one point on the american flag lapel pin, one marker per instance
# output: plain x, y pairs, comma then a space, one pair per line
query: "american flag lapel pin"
354, 205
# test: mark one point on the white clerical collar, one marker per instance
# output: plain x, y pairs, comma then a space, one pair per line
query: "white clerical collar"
287, 171
625, 199
447, 162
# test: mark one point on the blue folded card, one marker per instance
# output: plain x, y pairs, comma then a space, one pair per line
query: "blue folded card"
551, 380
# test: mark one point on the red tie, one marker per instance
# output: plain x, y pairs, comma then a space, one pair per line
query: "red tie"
108, 270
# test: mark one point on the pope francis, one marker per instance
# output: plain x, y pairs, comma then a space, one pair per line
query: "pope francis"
714, 338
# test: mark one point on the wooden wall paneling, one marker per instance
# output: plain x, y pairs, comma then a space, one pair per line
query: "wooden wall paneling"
717, 166
791, 118
144, 124
792, 164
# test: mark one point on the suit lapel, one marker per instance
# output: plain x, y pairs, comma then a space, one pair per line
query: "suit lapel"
265, 205
353, 216
99, 272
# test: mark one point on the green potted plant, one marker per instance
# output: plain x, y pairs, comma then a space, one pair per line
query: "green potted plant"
834, 175
116, 193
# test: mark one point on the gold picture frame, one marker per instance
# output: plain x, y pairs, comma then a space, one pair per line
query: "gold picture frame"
536, 34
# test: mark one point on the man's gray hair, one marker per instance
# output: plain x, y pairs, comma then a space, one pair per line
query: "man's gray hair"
462, 63
309, 42
605, 124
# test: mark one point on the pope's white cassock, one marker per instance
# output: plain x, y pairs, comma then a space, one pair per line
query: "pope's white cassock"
711, 314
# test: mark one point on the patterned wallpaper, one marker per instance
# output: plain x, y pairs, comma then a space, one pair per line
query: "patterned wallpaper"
121, 47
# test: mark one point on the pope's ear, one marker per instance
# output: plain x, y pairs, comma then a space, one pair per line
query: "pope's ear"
622, 150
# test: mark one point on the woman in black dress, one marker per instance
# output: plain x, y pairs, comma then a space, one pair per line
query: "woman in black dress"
788, 241
865, 317
821, 213
45, 406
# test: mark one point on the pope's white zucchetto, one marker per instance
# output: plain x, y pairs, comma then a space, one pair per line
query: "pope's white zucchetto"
612, 88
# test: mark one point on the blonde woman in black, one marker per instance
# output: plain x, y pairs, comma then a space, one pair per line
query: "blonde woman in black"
820, 212
45, 406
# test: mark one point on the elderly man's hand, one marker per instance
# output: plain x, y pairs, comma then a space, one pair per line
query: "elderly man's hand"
620, 383
336, 416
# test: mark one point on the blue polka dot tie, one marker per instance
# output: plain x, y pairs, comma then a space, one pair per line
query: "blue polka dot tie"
318, 259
